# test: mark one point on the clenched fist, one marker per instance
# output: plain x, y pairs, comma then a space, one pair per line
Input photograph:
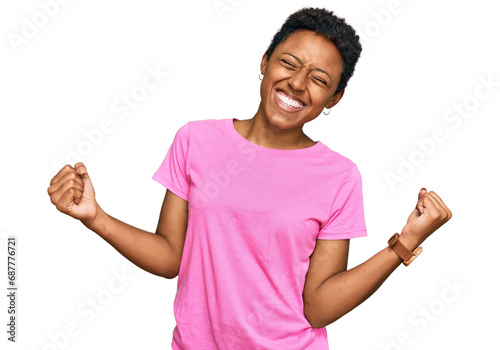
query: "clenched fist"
72, 193
429, 214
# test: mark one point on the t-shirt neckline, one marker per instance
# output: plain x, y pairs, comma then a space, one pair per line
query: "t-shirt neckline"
270, 152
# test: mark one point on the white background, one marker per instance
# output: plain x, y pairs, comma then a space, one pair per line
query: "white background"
420, 59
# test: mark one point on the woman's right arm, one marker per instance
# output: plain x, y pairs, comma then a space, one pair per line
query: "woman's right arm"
72, 193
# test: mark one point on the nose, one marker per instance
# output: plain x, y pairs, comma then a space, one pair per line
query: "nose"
298, 80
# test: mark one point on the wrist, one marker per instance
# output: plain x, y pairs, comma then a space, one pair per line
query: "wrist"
404, 249
94, 223
409, 240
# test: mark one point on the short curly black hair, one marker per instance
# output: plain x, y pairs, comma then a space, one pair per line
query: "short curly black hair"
330, 26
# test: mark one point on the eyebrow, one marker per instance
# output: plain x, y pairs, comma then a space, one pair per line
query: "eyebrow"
298, 59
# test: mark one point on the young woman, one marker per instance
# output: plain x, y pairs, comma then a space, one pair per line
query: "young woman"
257, 217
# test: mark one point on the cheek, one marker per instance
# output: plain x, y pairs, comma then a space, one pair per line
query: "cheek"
266, 86
319, 97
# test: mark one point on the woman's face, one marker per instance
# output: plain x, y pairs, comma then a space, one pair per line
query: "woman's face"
300, 79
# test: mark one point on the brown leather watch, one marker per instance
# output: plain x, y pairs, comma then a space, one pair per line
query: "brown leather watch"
404, 253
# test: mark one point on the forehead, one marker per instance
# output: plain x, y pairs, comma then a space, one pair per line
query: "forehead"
311, 48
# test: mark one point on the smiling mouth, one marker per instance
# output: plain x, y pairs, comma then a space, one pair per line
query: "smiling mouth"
288, 102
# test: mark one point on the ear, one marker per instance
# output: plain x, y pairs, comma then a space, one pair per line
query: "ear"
263, 63
334, 99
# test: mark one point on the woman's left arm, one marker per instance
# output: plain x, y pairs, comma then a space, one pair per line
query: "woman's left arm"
331, 292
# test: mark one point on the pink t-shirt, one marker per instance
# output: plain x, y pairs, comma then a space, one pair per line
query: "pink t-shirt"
254, 216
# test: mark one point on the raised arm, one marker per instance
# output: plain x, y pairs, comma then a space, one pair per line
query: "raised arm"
330, 291
72, 192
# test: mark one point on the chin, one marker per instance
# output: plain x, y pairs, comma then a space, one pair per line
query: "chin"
283, 122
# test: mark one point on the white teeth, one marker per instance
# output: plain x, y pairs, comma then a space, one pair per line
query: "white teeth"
288, 101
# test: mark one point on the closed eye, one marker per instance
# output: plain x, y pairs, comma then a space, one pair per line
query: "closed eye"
287, 63
321, 81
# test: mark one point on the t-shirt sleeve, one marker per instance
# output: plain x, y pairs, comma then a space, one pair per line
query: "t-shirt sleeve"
172, 172
347, 218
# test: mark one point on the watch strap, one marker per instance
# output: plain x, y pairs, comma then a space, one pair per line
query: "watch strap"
400, 249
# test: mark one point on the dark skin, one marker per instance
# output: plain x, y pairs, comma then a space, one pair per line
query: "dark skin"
306, 68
